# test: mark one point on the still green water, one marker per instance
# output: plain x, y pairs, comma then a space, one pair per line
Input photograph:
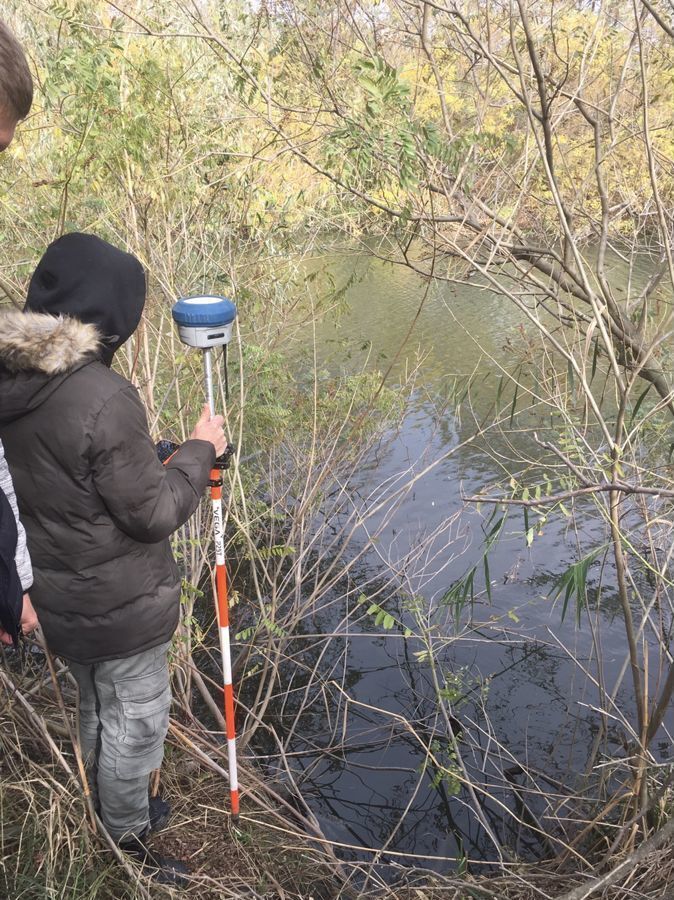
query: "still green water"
526, 713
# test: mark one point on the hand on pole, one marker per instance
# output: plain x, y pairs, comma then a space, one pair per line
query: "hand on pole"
210, 429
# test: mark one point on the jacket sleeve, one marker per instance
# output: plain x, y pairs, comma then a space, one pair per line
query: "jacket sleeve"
22, 559
147, 500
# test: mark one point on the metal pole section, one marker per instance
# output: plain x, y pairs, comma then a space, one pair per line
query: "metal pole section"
208, 380
222, 607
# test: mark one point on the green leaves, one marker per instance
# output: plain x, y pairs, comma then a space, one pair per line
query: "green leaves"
380, 84
247, 634
637, 405
573, 584
276, 552
381, 617
463, 590
460, 592
377, 144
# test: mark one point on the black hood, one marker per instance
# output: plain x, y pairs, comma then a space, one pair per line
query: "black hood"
82, 276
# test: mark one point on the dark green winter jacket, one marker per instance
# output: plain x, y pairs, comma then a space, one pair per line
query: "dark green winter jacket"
97, 505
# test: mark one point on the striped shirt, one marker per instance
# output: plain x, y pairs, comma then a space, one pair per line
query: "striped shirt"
22, 558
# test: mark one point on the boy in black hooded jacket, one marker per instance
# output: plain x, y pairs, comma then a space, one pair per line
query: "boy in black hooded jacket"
98, 508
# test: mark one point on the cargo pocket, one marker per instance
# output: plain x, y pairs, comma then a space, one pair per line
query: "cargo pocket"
145, 704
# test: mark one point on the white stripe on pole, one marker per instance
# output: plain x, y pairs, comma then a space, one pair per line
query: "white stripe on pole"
208, 377
226, 656
231, 754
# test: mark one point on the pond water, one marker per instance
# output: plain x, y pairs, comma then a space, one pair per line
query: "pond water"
521, 703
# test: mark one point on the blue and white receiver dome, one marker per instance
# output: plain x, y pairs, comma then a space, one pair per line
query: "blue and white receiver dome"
204, 320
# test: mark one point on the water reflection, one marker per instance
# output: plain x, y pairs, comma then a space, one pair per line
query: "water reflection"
372, 753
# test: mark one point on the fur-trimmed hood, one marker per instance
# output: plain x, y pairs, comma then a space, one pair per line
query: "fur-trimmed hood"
37, 353
84, 301
49, 344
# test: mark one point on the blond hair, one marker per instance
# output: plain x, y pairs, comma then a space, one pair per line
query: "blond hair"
16, 82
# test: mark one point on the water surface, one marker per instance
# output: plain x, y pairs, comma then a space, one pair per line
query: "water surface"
523, 702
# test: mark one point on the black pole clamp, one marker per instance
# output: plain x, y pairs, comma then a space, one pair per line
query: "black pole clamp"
222, 462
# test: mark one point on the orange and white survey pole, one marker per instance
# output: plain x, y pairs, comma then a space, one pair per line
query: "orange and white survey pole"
206, 322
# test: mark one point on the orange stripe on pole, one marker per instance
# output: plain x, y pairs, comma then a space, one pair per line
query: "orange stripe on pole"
221, 591
229, 711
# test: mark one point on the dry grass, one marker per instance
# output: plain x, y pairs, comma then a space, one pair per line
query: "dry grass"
50, 850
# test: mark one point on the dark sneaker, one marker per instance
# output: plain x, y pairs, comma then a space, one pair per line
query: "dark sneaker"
161, 869
160, 813
165, 870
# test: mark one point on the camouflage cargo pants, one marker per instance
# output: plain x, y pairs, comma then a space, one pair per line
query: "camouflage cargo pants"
124, 714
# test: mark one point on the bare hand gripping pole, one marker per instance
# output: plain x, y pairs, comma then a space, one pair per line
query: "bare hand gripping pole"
206, 322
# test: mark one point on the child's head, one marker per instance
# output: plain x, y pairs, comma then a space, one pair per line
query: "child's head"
82, 276
16, 85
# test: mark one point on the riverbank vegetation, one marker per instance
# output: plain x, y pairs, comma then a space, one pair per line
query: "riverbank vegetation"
525, 149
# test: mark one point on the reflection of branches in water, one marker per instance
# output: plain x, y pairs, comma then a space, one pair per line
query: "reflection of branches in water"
371, 766
305, 701
308, 700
